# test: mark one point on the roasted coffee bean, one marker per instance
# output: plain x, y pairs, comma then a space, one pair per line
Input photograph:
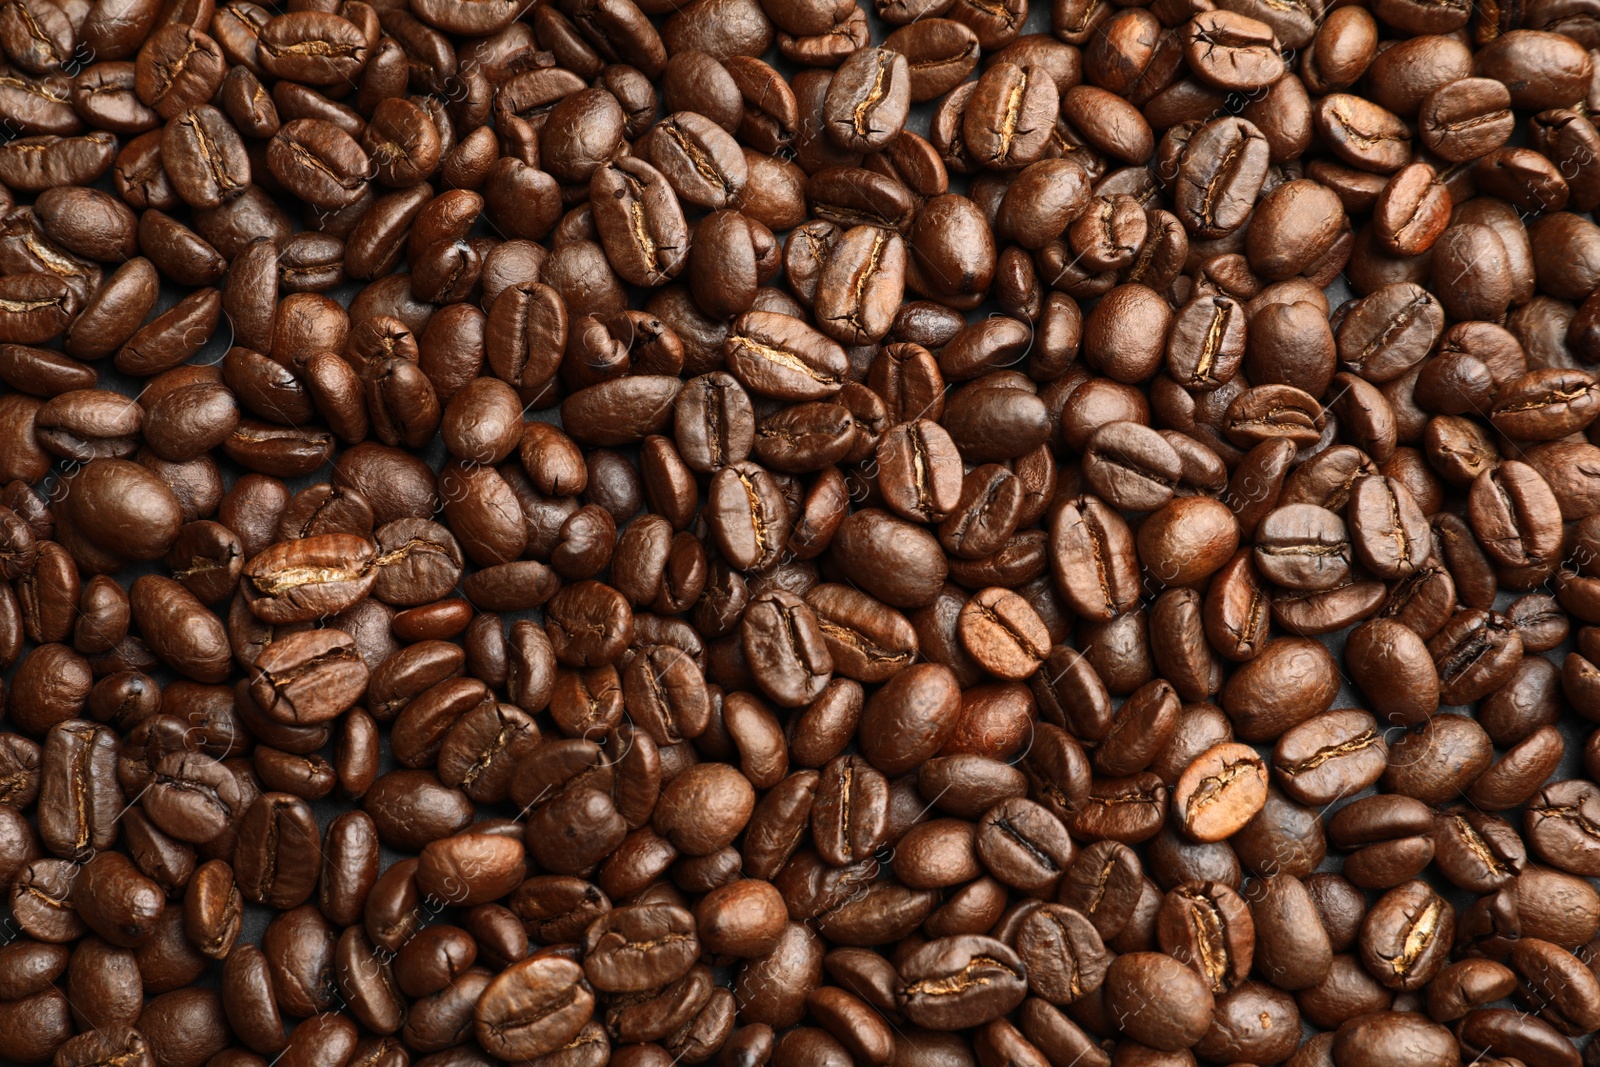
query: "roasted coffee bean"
1303, 547
1335, 754
1221, 791
1474, 653
1179, 1005
1093, 558
1466, 985
319, 162
910, 718
534, 1007
192, 797
1405, 937
919, 470
867, 100
640, 947
639, 222
309, 677
1131, 466
1208, 926
311, 578
959, 982
780, 356
1387, 527
1391, 663
1290, 681
77, 787
279, 853
866, 539
1022, 845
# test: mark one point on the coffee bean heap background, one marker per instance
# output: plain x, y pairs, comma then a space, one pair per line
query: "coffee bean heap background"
932, 534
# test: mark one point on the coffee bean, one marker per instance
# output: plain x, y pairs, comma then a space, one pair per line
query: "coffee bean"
1404, 936
701, 161
1178, 1005
533, 1007
867, 101
1207, 926
1232, 52
1292, 946
1220, 791
639, 222
780, 356
1022, 845
919, 470
311, 578
957, 982
279, 853
319, 162
1092, 558
1004, 634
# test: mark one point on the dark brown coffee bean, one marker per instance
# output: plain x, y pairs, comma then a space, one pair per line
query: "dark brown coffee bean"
1220, 176
319, 162
958, 982
639, 222
1405, 935
1179, 1004
780, 356
868, 99
533, 1007
1232, 52
1093, 558
1474, 653
1387, 527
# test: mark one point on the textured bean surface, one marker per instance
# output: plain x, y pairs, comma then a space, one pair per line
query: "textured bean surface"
799, 532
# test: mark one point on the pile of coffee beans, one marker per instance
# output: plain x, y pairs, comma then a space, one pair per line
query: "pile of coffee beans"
777, 532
